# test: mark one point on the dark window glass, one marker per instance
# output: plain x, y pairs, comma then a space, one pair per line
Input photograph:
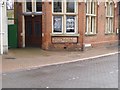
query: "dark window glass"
70, 24
37, 28
38, 5
57, 5
92, 8
70, 7
119, 7
57, 24
29, 28
28, 6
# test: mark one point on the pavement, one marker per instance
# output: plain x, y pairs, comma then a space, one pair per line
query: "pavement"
32, 58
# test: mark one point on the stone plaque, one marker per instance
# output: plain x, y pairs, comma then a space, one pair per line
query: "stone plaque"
64, 39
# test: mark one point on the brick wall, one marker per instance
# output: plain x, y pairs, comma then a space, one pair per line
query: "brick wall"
46, 24
100, 39
47, 29
18, 14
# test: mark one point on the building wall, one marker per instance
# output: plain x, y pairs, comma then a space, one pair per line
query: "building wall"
19, 14
47, 29
46, 25
99, 39
4, 29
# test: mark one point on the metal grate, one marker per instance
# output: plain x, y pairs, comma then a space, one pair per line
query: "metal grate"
10, 58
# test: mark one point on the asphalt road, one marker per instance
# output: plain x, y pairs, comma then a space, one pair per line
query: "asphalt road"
96, 73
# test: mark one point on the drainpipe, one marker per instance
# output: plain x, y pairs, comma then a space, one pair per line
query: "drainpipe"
1, 32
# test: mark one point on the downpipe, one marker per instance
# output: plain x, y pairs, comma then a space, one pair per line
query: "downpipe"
1, 32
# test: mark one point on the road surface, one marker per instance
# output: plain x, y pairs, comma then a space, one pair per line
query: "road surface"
97, 73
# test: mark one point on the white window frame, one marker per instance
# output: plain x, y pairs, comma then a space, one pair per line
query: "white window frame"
64, 14
33, 7
53, 26
57, 12
109, 26
89, 16
76, 31
26, 8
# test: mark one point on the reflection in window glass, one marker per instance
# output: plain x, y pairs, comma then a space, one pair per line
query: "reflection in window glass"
70, 7
57, 6
70, 24
38, 5
57, 23
28, 6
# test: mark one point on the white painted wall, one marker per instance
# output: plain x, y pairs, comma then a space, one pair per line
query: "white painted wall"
4, 33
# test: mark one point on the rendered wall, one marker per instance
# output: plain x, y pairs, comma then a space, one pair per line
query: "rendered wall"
4, 29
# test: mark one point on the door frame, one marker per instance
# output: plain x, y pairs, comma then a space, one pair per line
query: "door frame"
13, 43
24, 38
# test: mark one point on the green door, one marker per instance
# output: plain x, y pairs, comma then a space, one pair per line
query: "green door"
12, 36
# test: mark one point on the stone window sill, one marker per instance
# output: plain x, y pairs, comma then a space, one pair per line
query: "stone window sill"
90, 34
65, 35
109, 33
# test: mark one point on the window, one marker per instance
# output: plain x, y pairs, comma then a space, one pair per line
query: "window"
70, 24
70, 7
57, 6
119, 7
91, 6
109, 17
28, 6
33, 6
38, 5
64, 17
57, 24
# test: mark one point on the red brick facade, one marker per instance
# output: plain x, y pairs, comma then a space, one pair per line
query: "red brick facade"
100, 38
77, 42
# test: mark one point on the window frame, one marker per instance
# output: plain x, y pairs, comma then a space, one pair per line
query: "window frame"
53, 25
33, 7
75, 31
109, 16
64, 15
25, 6
89, 16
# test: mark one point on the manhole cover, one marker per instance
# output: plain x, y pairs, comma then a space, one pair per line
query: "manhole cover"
10, 58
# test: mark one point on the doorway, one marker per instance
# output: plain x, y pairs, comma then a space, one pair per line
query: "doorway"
33, 31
